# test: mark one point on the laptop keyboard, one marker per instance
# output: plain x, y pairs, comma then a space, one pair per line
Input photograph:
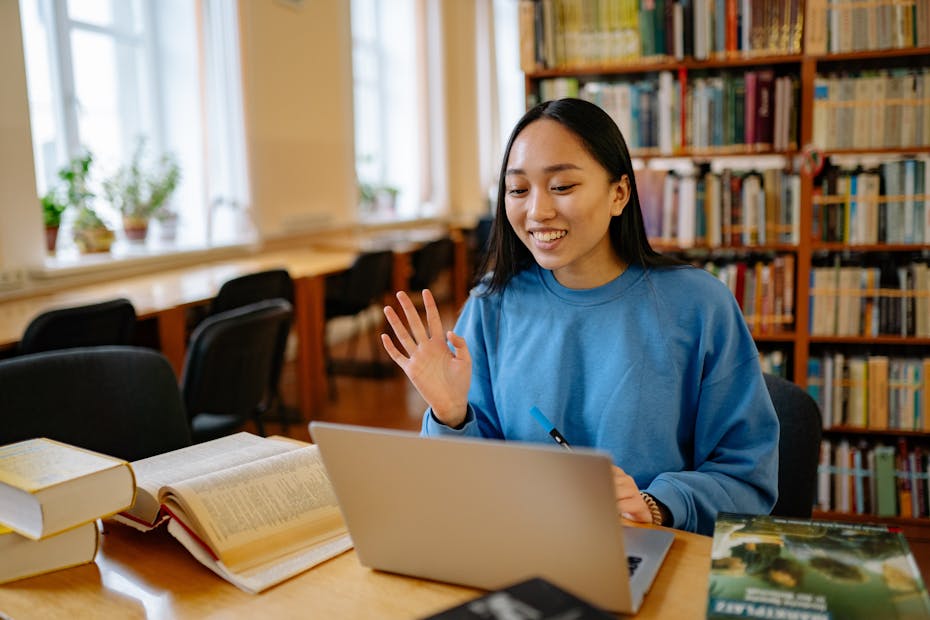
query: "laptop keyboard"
633, 562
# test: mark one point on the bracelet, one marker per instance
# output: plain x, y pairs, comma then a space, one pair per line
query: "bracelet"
653, 508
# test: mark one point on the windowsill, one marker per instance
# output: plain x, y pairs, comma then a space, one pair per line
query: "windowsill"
129, 257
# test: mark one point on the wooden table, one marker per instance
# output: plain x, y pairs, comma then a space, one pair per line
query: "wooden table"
150, 575
166, 296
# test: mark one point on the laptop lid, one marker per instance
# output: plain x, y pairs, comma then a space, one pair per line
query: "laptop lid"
487, 513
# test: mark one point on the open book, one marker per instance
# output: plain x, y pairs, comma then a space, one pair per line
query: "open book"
254, 510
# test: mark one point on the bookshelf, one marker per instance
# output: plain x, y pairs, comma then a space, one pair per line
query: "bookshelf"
849, 89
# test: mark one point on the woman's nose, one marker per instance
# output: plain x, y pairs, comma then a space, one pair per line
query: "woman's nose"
540, 206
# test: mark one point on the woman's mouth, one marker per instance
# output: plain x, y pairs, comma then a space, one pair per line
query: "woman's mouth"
547, 236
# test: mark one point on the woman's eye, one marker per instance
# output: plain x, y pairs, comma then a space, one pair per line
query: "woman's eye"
563, 188
516, 191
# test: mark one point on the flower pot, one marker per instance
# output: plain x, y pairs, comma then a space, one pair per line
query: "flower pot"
168, 228
93, 240
135, 229
51, 238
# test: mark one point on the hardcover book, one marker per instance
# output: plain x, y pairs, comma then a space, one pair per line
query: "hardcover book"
47, 487
770, 567
21, 557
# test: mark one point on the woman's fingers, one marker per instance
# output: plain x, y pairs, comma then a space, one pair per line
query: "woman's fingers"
433, 320
415, 324
400, 332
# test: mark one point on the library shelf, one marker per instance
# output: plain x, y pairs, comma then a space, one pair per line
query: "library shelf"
804, 61
879, 432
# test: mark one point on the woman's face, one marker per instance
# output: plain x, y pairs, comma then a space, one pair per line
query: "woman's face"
559, 201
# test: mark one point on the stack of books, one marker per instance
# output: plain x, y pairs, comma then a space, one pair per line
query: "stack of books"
51, 496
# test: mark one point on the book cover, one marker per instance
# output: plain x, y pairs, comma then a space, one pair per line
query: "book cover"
770, 567
47, 486
534, 598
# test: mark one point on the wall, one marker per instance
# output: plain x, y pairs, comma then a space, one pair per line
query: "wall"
21, 230
297, 77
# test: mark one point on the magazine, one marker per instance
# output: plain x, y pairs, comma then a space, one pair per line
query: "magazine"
771, 567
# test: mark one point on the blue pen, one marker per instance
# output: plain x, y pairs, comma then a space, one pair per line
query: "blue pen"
552, 430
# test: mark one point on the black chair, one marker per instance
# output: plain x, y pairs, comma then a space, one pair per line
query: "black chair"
122, 401
429, 261
798, 447
351, 292
106, 323
229, 360
249, 289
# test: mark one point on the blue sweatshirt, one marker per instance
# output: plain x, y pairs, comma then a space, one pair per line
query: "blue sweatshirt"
656, 368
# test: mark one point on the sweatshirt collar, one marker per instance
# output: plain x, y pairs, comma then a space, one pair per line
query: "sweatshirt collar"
591, 296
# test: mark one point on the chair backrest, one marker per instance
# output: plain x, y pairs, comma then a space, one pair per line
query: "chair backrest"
253, 287
361, 285
122, 401
798, 447
231, 356
106, 323
428, 261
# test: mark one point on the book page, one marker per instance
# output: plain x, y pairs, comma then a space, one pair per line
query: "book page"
259, 511
37, 464
262, 578
172, 467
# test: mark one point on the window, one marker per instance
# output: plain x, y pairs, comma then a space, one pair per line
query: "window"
388, 106
103, 74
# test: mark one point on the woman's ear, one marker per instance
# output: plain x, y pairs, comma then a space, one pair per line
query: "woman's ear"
620, 195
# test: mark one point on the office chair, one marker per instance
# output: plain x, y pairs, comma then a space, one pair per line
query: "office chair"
429, 261
118, 400
251, 288
229, 360
798, 447
349, 293
106, 323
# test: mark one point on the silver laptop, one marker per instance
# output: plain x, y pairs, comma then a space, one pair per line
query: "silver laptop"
487, 513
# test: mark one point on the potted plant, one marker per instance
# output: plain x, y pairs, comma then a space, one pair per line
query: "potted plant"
53, 207
91, 234
141, 194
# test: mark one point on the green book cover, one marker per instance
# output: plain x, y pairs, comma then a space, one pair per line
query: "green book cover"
887, 505
771, 567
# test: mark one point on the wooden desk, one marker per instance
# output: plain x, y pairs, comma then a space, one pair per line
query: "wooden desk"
150, 575
166, 295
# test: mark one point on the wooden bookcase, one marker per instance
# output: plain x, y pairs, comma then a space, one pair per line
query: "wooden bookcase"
804, 67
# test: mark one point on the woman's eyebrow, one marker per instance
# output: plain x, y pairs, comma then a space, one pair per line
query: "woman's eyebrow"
548, 169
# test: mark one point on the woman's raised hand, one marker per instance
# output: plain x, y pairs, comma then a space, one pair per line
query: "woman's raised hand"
442, 376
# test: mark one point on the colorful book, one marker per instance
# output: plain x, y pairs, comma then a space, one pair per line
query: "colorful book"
770, 567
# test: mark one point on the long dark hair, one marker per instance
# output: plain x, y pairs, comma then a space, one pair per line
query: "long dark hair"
507, 256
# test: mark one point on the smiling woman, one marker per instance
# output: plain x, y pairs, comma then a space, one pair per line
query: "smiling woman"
623, 349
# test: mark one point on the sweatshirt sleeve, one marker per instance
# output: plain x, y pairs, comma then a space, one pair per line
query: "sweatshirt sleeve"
735, 454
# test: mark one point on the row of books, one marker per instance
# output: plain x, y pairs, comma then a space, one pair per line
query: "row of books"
764, 290
774, 363
748, 111
858, 477
578, 33
884, 203
874, 392
726, 209
838, 26
872, 109
890, 299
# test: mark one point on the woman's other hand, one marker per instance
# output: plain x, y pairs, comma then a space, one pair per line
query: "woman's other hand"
630, 503
442, 376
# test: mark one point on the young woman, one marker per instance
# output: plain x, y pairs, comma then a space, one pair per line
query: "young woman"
622, 349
